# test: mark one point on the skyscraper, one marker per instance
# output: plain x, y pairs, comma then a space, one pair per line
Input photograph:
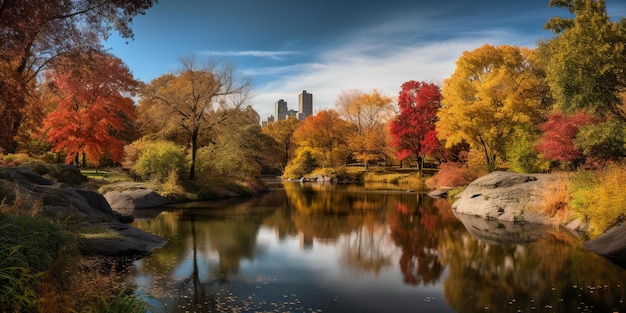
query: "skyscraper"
305, 104
280, 110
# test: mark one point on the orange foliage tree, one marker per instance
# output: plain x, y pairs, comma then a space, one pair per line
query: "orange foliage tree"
326, 134
34, 32
90, 92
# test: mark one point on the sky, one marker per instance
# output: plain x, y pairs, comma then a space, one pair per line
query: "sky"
329, 46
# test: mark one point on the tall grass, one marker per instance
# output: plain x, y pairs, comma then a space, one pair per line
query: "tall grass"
41, 270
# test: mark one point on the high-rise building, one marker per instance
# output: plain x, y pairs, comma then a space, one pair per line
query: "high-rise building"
305, 104
280, 110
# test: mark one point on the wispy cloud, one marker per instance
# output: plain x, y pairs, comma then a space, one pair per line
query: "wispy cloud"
369, 61
275, 55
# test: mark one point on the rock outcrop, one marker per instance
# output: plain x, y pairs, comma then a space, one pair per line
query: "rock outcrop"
33, 193
505, 196
126, 201
611, 244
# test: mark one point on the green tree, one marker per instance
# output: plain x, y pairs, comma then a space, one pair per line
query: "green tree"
587, 61
492, 91
189, 105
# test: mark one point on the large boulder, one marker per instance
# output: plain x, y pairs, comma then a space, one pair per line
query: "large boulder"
126, 201
611, 244
505, 196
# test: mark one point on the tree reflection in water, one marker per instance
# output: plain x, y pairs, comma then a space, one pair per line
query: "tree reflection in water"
312, 247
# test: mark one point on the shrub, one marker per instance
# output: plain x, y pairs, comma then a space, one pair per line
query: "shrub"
160, 158
452, 174
600, 196
557, 200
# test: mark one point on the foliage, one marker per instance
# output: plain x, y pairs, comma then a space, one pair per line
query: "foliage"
557, 142
557, 200
587, 63
90, 93
522, 155
159, 159
600, 196
239, 150
602, 141
450, 174
325, 135
413, 130
368, 112
282, 134
35, 32
187, 107
305, 162
493, 90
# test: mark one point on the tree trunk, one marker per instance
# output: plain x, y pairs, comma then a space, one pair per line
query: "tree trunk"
194, 150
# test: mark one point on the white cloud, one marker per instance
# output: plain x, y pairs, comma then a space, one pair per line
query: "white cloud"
275, 55
382, 57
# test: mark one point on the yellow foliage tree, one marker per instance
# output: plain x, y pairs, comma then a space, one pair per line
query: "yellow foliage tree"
368, 112
492, 93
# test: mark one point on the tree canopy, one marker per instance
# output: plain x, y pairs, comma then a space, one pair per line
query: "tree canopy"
492, 92
90, 94
35, 32
413, 130
187, 106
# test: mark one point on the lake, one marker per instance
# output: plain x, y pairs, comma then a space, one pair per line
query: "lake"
364, 248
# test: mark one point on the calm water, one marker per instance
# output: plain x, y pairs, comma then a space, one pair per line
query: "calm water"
347, 248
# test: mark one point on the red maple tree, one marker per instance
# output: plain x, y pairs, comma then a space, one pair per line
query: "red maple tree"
413, 130
90, 92
557, 142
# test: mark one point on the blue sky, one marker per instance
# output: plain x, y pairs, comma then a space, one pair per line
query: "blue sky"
324, 46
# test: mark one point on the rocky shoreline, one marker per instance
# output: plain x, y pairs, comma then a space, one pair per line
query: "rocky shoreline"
500, 202
89, 212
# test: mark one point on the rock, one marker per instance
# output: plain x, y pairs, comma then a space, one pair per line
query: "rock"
611, 244
32, 193
505, 196
501, 232
133, 242
126, 201
439, 193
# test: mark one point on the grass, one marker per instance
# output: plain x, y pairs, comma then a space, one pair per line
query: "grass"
41, 270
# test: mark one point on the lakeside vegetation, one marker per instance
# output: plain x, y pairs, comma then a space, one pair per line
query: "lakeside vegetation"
560, 107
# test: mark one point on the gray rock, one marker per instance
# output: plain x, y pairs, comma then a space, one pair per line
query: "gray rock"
126, 201
133, 242
505, 196
611, 244
86, 208
496, 232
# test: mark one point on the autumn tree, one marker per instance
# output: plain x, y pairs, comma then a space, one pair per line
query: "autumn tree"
240, 150
368, 112
560, 131
91, 95
282, 134
490, 95
413, 130
324, 135
587, 61
33, 33
187, 106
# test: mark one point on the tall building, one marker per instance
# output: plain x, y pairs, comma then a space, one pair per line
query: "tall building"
280, 110
305, 105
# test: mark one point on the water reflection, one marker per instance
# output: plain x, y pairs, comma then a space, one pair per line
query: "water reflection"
346, 248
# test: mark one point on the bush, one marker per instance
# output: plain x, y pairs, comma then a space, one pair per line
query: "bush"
451, 174
557, 200
160, 158
600, 196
